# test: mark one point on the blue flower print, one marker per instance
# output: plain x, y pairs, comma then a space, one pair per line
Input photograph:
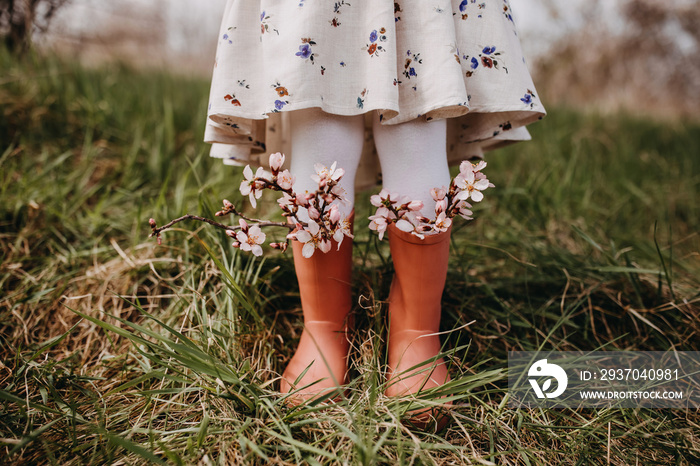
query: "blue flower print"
281, 92
409, 67
373, 48
463, 8
527, 99
262, 15
488, 58
227, 37
304, 51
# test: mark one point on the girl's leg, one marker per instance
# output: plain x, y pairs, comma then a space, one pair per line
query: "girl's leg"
324, 279
413, 158
319, 137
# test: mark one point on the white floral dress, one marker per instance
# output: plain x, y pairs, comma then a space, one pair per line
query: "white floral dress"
458, 59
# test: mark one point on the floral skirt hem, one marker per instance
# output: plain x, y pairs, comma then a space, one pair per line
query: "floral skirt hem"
458, 60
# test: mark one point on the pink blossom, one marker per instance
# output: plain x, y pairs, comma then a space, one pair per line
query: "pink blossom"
250, 187
442, 222
470, 186
285, 201
339, 225
463, 210
339, 193
303, 199
342, 230
379, 224
324, 175
310, 237
377, 200
285, 180
251, 240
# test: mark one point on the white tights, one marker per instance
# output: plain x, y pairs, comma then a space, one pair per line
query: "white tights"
413, 155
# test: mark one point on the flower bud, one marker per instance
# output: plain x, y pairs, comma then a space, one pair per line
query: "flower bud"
243, 224
441, 206
281, 246
334, 214
313, 212
152, 222
438, 193
227, 204
302, 199
276, 162
414, 205
236, 244
231, 233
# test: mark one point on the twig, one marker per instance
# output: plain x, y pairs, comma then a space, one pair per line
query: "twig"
157, 231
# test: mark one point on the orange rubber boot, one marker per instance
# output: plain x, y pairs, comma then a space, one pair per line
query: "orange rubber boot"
420, 271
326, 300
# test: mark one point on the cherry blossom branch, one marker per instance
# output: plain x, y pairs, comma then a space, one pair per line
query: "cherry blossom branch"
156, 231
313, 218
449, 202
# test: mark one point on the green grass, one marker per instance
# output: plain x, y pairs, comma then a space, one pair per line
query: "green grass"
115, 349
